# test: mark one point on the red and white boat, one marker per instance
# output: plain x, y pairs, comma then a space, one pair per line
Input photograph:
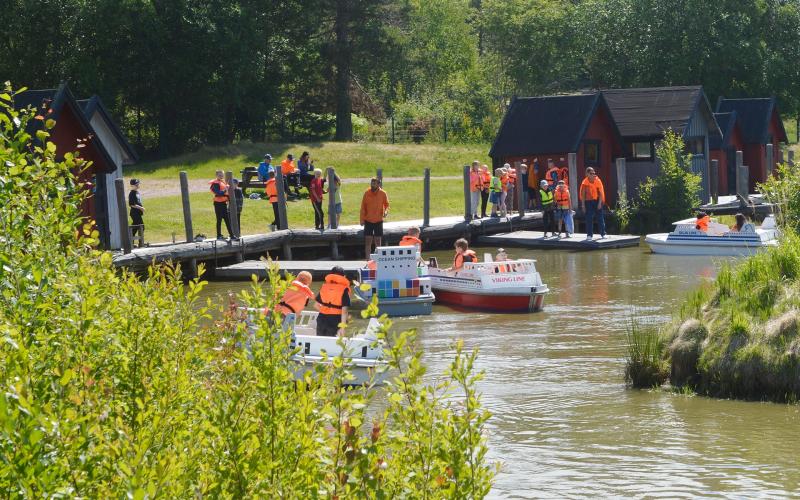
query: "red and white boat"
502, 286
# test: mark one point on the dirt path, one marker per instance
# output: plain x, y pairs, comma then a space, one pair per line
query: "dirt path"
157, 188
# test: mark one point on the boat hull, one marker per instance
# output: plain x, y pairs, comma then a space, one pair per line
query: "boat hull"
723, 248
491, 301
421, 305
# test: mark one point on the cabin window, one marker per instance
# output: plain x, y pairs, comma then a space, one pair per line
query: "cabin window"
642, 150
696, 145
591, 153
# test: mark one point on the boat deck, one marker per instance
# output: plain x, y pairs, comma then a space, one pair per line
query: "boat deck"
578, 241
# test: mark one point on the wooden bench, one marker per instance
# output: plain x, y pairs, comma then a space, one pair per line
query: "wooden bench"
250, 180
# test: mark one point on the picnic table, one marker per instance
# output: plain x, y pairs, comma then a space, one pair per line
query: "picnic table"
250, 180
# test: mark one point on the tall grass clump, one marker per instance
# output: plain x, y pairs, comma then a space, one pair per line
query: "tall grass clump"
645, 366
115, 386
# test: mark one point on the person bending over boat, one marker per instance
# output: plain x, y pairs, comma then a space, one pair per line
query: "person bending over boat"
295, 299
702, 221
463, 254
740, 222
333, 301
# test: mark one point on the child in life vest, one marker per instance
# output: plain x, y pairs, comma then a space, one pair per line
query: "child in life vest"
463, 254
295, 299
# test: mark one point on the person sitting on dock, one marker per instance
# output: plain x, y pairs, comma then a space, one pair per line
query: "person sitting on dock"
265, 167
220, 190
295, 299
272, 192
374, 208
548, 208
563, 208
463, 254
740, 222
333, 301
592, 198
702, 221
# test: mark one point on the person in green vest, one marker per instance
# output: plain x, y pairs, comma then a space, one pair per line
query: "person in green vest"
548, 208
495, 190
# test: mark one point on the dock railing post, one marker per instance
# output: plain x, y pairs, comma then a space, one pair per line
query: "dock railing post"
520, 194
426, 198
467, 196
379, 176
330, 173
741, 189
714, 181
572, 164
781, 157
282, 223
622, 179
791, 158
233, 210
770, 163
125, 233
742, 179
187, 210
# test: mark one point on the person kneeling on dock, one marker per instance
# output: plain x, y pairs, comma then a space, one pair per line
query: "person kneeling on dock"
333, 301
463, 254
295, 299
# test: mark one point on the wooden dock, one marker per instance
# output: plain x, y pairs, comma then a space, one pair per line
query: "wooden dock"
441, 232
578, 241
317, 268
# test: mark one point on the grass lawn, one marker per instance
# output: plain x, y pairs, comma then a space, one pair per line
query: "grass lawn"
349, 159
164, 215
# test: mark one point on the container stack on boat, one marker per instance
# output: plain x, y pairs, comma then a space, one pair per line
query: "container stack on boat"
395, 276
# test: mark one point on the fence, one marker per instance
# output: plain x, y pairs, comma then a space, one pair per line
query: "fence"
398, 130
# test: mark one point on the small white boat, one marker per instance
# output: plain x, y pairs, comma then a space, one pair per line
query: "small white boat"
362, 353
502, 286
396, 279
718, 240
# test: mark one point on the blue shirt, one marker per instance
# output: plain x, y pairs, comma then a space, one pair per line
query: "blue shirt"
264, 169
302, 166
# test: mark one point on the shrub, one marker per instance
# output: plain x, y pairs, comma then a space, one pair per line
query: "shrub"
644, 366
783, 189
116, 386
674, 193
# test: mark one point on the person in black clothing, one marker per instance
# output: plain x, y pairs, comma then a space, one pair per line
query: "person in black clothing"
136, 209
333, 302
237, 192
220, 191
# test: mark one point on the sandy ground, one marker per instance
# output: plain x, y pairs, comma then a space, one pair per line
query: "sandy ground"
157, 188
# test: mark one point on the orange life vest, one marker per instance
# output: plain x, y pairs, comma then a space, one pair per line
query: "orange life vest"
702, 224
512, 175
486, 178
295, 298
222, 187
563, 175
475, 181
272, 190
410, 241
552, 176
460, 258
372, 265
562, 197
330, 294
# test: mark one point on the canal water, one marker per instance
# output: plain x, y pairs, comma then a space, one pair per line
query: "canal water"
565, 425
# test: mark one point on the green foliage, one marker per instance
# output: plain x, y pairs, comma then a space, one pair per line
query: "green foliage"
674, 192
115, 386
644, 367
739, 337
783, 189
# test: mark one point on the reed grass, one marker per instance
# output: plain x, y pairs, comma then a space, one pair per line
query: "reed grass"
645, 368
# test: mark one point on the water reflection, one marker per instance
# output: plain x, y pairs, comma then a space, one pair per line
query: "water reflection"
565, 425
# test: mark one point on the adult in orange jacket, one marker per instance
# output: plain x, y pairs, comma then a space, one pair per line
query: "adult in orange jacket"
374, 208
592, 197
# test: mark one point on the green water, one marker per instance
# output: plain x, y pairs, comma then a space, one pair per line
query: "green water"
565, 425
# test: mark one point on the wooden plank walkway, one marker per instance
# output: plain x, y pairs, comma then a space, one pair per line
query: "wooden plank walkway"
441, 229
578, 241
317, 268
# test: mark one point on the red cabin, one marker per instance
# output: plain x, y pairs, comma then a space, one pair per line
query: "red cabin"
724, 147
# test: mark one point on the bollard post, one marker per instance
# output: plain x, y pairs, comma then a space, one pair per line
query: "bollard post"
791, 158
187, 211
520, 191
125, 232
379, 175
572, 163
282, 223
770, 163
714, 181
622, 179
330, 173
742, 179
467, 197
232, 205
781, 157
426, 198
741, 189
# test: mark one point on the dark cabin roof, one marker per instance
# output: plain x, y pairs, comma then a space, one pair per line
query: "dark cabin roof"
57, 100
754, 118
552, 124
726, 123
95, 105
648, 112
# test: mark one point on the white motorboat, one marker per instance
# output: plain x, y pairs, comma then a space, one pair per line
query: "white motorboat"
501, 286
719, 240
362, 353
395, 278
